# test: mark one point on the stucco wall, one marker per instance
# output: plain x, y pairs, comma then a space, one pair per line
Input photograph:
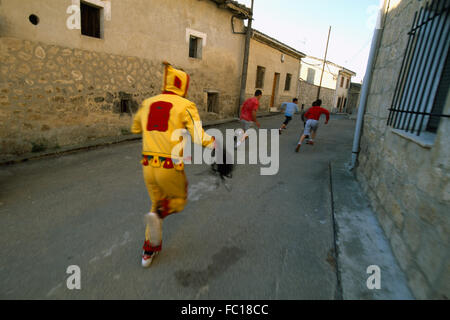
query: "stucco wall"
342, 91
409, 185
59, 87
330, 73
270, 58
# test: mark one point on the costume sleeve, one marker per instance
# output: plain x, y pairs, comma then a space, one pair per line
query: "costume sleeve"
136, 127
193, 124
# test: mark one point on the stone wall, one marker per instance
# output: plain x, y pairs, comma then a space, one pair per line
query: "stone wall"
308, 94
61, 88
53, 96
408, 184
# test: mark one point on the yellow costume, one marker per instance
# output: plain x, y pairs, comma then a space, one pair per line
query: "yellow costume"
157, 119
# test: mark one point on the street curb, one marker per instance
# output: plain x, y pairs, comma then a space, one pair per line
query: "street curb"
361, 242
104, 142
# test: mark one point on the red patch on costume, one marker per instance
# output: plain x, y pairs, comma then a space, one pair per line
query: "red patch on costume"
168, 164
158, 117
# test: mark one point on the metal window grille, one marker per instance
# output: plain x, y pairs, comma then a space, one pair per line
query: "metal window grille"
423, 68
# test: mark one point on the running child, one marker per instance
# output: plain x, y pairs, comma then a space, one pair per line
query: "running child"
312, 117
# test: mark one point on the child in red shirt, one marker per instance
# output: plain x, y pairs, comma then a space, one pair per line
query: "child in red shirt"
248, 115
312, 117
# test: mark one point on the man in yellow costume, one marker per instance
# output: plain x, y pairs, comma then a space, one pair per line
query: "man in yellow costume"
158, 119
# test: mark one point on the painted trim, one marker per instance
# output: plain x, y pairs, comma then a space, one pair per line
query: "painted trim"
198, 34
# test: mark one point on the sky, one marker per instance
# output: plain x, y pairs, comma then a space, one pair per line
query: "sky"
304, 24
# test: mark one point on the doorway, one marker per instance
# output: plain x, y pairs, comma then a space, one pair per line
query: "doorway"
276, 84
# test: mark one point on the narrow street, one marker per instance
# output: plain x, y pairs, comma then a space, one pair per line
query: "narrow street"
269, 237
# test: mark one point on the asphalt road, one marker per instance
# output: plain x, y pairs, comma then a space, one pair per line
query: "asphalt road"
269, 237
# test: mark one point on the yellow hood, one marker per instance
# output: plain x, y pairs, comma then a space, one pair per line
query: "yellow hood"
175, 81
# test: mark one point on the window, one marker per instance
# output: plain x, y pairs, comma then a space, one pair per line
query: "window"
260, 73
124, 106
342, 82
213, 102
90, 20
195, 47
423, 80
348, 84
311, 76
287, 84
441, 96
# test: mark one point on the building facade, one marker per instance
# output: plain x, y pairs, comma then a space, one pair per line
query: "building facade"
273, 68
75, 71
334, 84
404, 161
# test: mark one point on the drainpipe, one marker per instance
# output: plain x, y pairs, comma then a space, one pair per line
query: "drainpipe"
367, 81
245, 65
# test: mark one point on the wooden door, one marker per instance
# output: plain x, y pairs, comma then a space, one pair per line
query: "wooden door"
276, 83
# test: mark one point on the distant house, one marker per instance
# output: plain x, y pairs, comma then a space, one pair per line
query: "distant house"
74, 71
273, 68
334, 88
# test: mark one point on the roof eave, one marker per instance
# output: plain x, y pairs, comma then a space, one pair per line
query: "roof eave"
263, 38
235, 7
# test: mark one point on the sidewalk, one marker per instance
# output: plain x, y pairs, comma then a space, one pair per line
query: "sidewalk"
361, 242
105, 142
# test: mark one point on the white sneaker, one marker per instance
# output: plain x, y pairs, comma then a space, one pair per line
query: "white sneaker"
147, 259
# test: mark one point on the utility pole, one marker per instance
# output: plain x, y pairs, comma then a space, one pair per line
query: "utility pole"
324, 62
245, 65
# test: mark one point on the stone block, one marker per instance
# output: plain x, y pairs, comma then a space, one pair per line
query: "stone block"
412, 231
400, 250
441, 289
431, 254
418, 284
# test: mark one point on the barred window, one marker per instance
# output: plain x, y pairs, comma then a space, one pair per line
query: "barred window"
287, 84
423, 82
260, 73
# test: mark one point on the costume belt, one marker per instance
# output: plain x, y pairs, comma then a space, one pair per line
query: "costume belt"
166, 163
